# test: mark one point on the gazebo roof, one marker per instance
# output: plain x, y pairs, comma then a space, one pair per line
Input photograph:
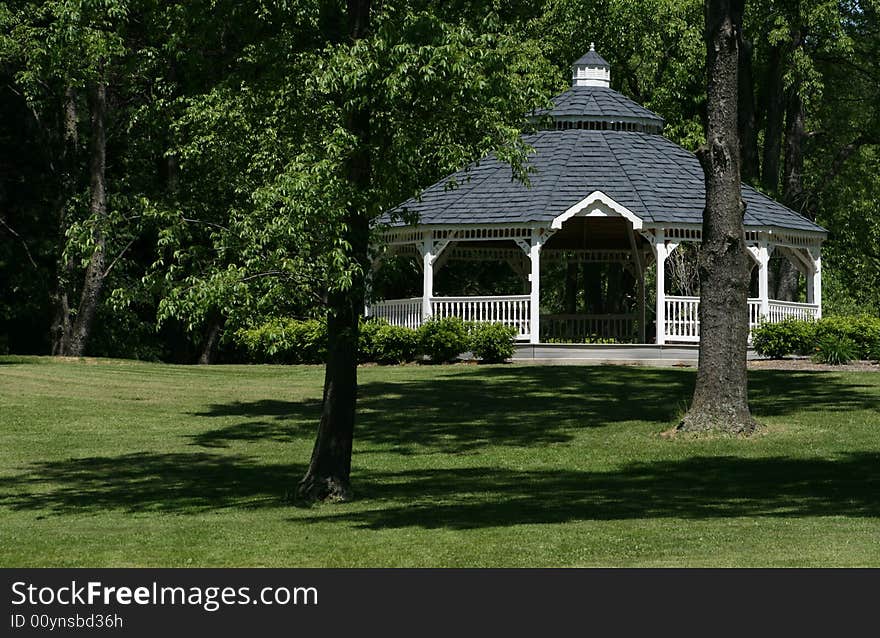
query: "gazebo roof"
655, 179
598, 103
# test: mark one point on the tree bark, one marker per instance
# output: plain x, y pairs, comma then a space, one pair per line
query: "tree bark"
720, 401
774, 109
59, 330
593, 298
571, 281
747, 119
212, 337
93, 283
788, 277
328, 477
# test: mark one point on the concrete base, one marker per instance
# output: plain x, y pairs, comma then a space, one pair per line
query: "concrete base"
644, 354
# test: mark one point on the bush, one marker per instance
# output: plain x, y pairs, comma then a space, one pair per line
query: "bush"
443, 339
493, 342
390, 344
777, 340
862, 330
805, 337
835, 350
285, 341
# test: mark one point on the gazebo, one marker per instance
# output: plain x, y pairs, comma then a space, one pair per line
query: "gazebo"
604, 187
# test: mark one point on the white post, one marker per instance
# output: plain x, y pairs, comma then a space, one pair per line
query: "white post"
763, 277
535, 290
814, 282
427, 274
660, 247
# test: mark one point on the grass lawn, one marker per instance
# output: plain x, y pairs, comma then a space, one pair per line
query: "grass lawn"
117, 463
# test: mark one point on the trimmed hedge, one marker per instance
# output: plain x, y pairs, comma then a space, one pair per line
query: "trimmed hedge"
444, 339
492, 342
294, 341
830, 335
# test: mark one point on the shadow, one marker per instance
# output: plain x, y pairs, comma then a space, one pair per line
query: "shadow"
462, 498
696, 488
461, 411
146, 482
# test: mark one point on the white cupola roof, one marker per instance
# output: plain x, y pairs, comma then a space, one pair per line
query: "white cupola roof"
591, 70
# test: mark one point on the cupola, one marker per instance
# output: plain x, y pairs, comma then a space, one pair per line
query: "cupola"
591, 70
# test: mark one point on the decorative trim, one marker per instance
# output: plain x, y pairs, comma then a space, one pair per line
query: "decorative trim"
591, 200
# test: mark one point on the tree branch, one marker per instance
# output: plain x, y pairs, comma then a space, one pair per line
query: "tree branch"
24, 245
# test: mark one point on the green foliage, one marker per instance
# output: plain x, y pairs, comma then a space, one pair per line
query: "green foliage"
444, 339
492, 342
777, 340
383, 343
863, 331
834, 349
791, 336
285, 341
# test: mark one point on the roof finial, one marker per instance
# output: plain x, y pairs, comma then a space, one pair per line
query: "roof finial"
592, 46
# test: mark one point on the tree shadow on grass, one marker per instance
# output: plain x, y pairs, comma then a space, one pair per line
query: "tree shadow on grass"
462, 411
695, 488
461, 498
145, 482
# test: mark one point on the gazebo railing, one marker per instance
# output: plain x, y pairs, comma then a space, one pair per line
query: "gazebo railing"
509, 310
398, 312
780, 310
683, 321
580, 327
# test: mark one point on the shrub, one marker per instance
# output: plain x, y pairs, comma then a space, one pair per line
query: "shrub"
285, 341
835, 350
443, 339
393, 344
777, 340
493, 342
863, 331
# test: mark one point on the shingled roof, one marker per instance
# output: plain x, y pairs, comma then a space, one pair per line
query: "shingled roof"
654, 178
598, 103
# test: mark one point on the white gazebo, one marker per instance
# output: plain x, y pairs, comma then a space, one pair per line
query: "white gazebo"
605, 187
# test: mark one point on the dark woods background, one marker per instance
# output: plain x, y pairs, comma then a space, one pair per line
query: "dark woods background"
174, 172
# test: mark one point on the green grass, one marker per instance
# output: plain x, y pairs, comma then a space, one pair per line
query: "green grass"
111, 463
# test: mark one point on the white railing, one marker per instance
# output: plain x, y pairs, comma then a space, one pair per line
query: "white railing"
511, 311
683, 320
398, 312
780, 310
579, 327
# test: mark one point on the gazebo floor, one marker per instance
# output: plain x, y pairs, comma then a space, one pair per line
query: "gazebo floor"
647, 354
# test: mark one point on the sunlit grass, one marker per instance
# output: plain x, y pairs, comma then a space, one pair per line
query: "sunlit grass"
116, 463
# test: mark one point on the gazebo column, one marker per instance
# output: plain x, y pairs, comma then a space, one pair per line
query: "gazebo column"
427, 250
764, 277
814, 281
660, 314
535, 289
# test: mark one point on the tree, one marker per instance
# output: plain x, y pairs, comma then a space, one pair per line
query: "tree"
720, 401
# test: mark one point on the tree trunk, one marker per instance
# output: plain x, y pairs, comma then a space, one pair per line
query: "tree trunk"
788, 278
571, 281
93, 283
59, 330
774, 109
593, 298
212, 337
329, 473
720, 400
747, 119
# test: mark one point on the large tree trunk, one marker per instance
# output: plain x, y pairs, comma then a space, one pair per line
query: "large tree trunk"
212, 338
329, 473
93, 283
720, 400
